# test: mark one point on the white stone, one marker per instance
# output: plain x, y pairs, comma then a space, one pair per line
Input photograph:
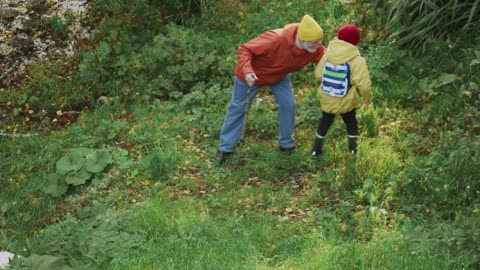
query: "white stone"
76, 6
5, 49
5, 257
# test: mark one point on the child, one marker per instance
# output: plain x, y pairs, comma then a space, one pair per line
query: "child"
344, 75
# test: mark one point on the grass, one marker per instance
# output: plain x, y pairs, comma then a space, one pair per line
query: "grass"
184, 234
22, 202
263, 210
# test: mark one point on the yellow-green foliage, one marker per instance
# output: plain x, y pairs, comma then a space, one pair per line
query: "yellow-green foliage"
369, 121
380, 169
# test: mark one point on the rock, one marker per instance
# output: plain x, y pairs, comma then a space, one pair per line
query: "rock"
8, 14
107, 100
5, 50
5, 257
103, 100
76, 6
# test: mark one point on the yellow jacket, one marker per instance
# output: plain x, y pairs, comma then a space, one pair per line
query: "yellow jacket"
340, 52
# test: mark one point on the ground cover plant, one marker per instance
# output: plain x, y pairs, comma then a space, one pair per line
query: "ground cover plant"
131, 180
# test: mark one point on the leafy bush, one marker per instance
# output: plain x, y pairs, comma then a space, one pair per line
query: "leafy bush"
388, 67
447, 180
98, 235
127, 21
179, 11
49, 90
109, 130
178, 61
459, 240
82, 165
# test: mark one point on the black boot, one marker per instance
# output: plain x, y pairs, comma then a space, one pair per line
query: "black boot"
223, 156
288, 150
352, 144
317, 147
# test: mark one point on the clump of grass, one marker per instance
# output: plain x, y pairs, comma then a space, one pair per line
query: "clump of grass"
161, 164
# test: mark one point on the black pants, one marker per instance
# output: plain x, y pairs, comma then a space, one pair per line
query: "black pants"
327, 120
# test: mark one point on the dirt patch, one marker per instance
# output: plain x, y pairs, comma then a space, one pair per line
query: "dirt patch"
36, 31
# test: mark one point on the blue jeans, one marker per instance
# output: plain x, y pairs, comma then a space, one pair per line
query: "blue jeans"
235, 118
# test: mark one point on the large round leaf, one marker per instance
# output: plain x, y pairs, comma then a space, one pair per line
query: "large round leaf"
56, 185
86, 152
98, 161
101, 179
78, 177
72, 162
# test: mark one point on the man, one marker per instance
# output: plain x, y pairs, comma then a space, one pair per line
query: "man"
268, 59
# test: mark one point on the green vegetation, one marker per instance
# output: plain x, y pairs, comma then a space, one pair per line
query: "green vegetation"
132, 182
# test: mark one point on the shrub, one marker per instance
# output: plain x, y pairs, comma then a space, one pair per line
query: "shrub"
82, 165
459, 240
178, 61
96, 237
447, 180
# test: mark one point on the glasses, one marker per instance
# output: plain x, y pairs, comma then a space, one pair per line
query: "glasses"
313, 43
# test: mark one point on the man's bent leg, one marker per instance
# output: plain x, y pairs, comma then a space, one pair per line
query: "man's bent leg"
235, 117
283, 93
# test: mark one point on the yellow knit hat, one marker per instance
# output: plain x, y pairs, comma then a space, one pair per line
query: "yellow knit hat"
309, 29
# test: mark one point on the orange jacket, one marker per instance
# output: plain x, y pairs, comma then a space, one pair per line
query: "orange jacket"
273, 55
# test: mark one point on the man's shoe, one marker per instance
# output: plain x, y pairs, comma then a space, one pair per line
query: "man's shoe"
223, 156
287, 150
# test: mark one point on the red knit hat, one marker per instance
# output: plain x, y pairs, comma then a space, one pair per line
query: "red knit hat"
349, 33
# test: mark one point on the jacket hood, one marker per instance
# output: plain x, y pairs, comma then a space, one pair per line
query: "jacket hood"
340, 52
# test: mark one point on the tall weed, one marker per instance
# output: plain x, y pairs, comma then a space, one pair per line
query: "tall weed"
415, 23
447, 180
